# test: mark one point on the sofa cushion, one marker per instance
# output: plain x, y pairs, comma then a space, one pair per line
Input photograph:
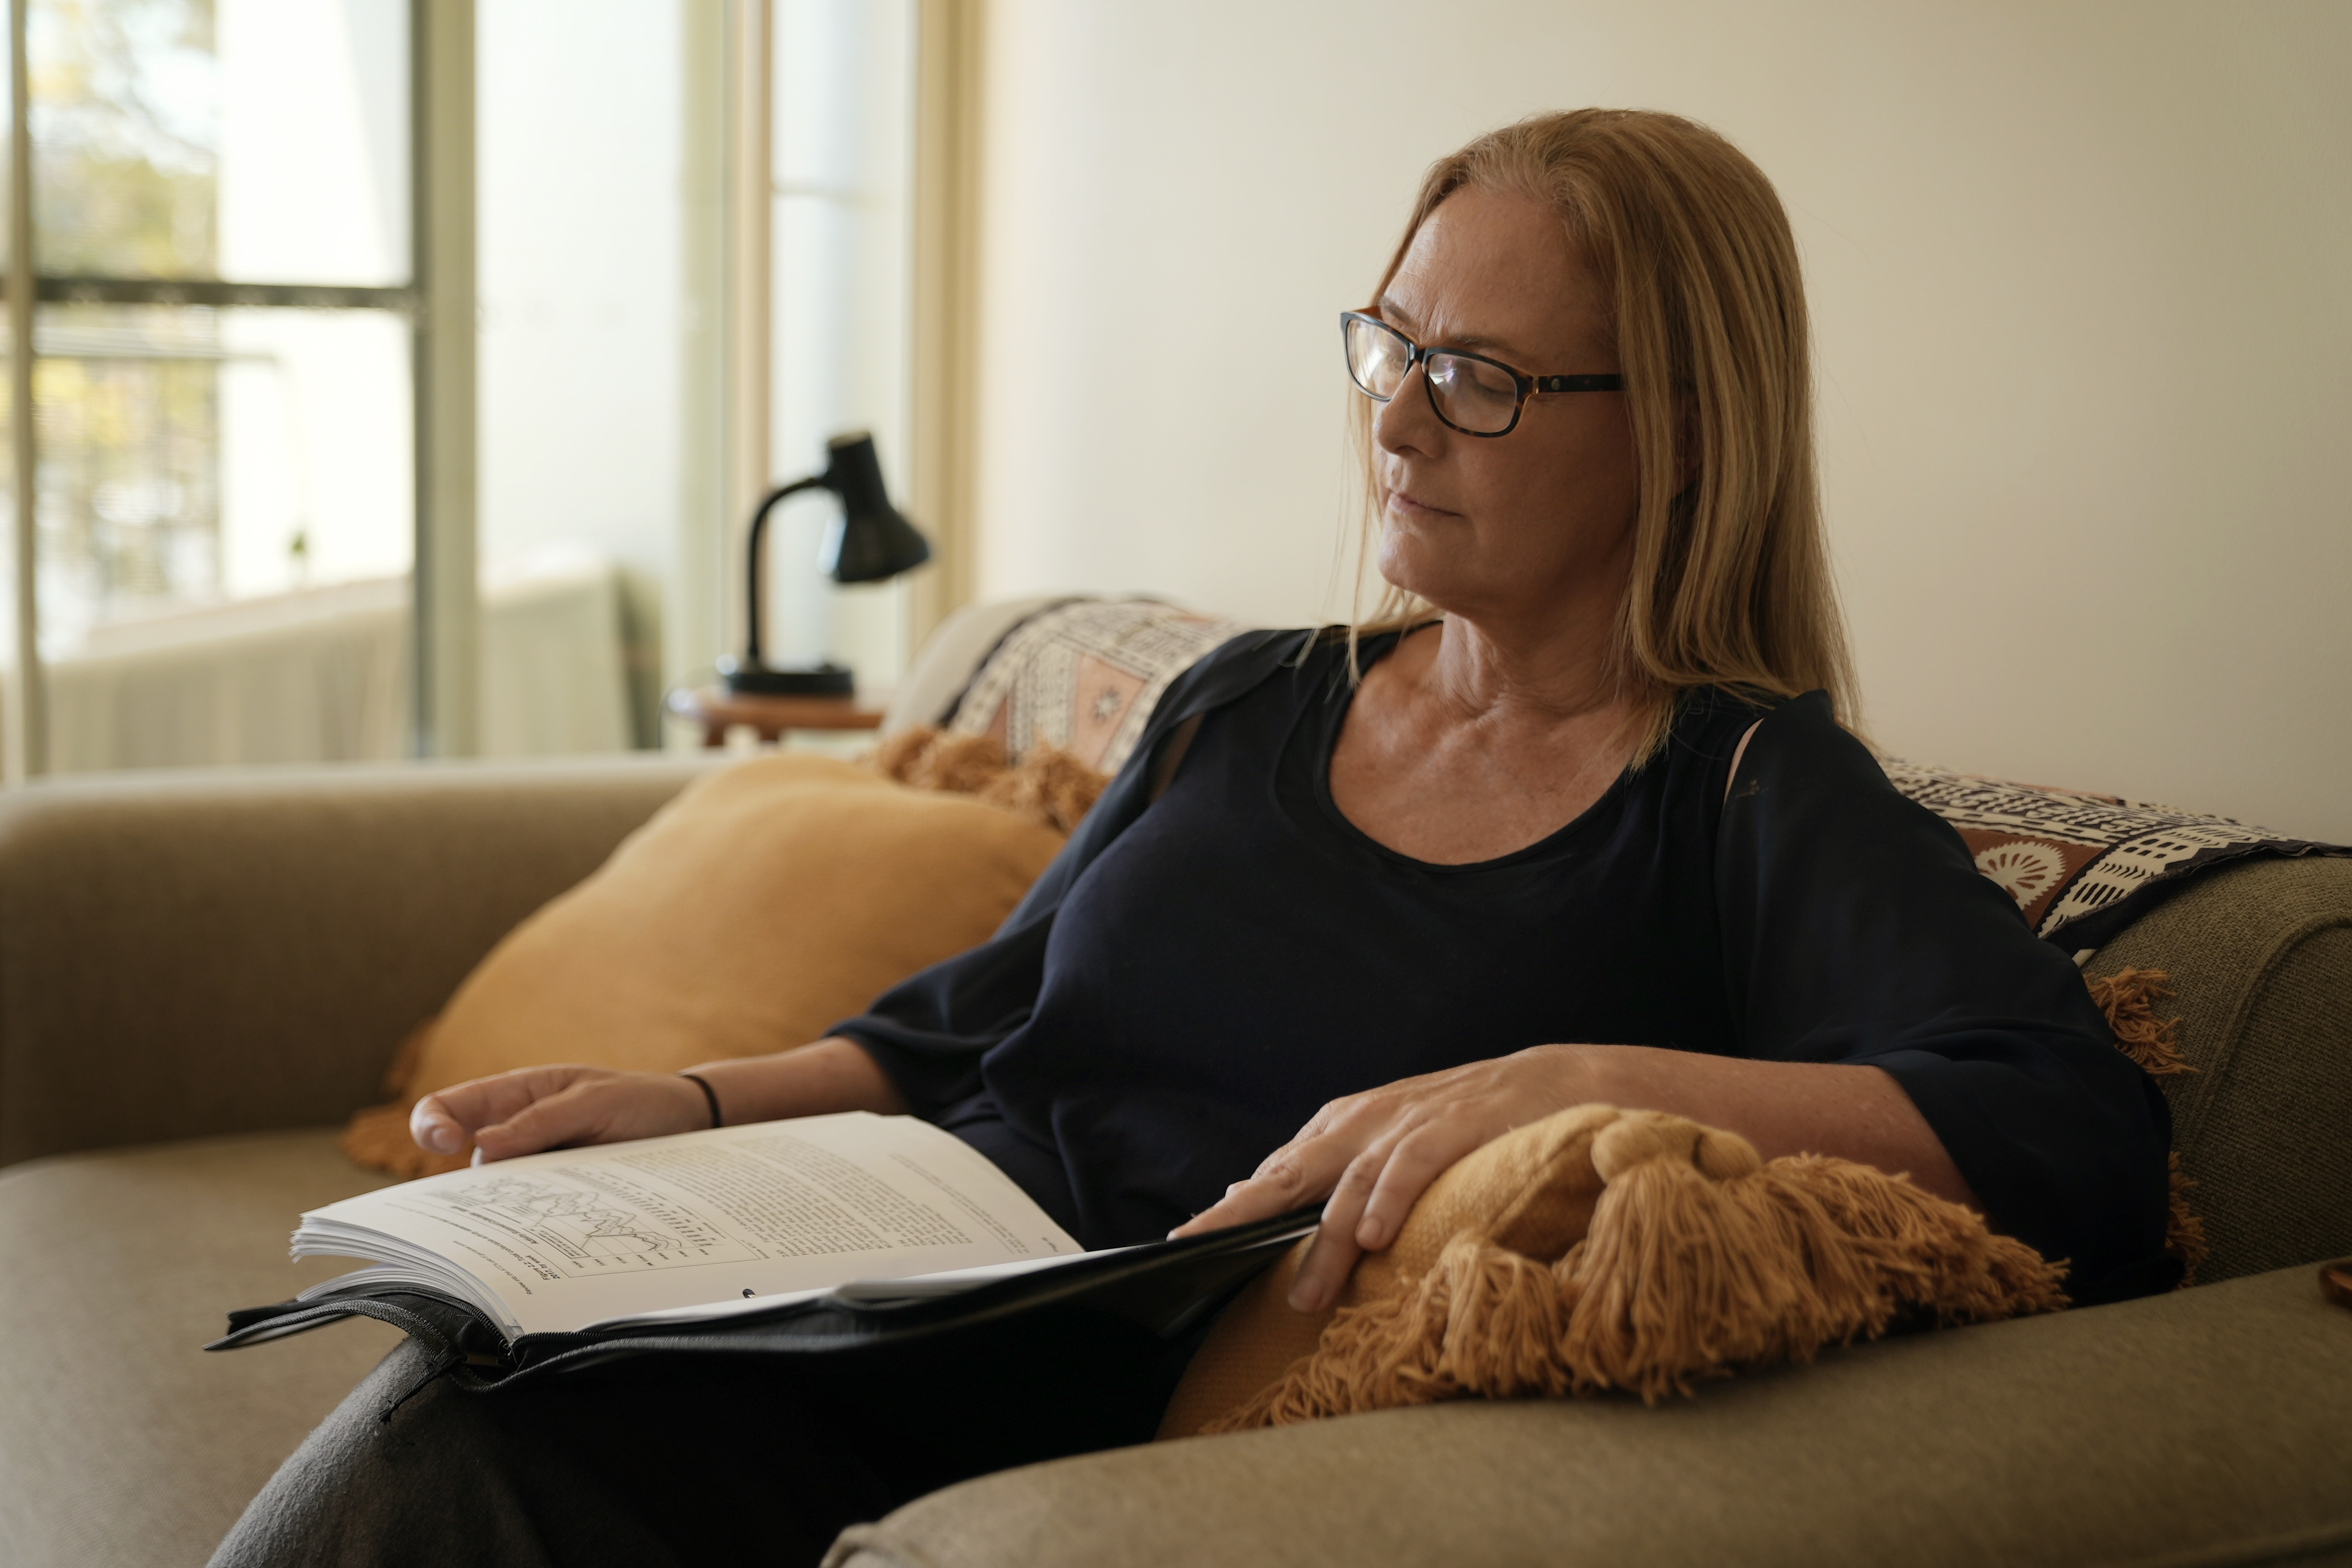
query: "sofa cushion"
2206, 1426
123, 1443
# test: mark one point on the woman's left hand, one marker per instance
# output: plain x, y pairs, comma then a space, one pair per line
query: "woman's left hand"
1374, 1154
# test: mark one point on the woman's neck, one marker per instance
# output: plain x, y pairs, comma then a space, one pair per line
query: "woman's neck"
1554, 677
1460, 747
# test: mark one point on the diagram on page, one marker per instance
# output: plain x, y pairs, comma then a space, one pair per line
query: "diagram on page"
584, 1223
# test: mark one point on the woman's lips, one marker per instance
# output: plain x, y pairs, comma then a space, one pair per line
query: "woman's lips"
1408, 504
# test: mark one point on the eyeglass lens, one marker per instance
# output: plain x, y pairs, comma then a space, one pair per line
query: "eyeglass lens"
1469, 394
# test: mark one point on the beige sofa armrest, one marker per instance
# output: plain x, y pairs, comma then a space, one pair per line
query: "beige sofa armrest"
2260, 954
2207, 1426
200, 953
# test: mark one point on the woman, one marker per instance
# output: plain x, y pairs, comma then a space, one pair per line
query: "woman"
1572, 820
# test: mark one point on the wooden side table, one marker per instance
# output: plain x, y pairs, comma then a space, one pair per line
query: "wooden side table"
719, 710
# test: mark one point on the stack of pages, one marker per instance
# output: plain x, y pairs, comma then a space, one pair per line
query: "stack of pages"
712, 1232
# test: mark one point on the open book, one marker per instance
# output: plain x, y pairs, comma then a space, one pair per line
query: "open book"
730, 1231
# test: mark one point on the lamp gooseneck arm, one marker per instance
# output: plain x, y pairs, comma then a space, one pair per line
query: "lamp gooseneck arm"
752, 580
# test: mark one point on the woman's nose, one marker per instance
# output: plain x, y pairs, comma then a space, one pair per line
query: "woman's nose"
1407, 422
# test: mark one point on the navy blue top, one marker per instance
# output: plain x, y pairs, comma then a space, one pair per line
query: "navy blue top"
1193, 977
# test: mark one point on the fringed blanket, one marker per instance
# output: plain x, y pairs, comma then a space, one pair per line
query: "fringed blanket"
1082, 676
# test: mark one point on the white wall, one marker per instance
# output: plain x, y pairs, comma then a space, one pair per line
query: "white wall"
2079, 272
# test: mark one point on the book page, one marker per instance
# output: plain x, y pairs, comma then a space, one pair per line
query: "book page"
577, 1236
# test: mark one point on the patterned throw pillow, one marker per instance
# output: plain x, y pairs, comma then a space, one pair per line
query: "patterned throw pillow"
1083, 675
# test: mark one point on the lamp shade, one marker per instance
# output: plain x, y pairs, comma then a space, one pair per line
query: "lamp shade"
871, 541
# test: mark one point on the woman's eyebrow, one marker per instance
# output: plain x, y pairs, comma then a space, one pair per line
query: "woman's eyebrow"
1396, 316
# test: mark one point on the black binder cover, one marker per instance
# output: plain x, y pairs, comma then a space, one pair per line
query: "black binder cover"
1154, 1293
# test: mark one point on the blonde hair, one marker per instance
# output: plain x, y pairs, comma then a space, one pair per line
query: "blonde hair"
1730, 582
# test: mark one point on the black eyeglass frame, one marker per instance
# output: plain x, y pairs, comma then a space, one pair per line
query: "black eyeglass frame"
1527, 386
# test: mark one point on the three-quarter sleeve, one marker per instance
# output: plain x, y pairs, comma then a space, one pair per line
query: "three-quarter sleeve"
929, 1032
1857, 929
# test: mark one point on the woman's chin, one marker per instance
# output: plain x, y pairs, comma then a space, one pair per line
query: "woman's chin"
1415, 568
1409, 559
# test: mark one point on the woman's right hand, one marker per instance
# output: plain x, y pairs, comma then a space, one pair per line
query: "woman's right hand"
535, 1108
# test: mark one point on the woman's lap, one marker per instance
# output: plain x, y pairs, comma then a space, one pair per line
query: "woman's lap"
677, 1460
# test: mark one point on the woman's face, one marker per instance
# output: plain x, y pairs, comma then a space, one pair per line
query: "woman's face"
1522, 527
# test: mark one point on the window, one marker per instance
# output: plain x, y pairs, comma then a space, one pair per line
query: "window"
220, 211
622, 157
273, 522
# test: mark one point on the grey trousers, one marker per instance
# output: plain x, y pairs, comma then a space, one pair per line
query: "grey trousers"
677, 1460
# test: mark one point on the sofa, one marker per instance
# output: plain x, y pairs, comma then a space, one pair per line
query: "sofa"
203, 974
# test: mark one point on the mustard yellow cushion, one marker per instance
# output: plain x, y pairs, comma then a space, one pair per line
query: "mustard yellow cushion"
768, 900
1600, 1249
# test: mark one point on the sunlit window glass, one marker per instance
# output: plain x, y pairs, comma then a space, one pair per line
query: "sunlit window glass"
842, 163
582, 219
262, 140
224, 485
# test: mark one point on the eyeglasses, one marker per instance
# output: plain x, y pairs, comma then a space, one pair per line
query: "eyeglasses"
1472, 393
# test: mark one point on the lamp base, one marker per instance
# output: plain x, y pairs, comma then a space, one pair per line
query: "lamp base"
825, 680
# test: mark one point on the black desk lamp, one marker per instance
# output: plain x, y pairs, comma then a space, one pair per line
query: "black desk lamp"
870, 542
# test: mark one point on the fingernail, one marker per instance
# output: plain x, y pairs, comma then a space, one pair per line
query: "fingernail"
441, 1139
1372, 1233
1303, 1300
